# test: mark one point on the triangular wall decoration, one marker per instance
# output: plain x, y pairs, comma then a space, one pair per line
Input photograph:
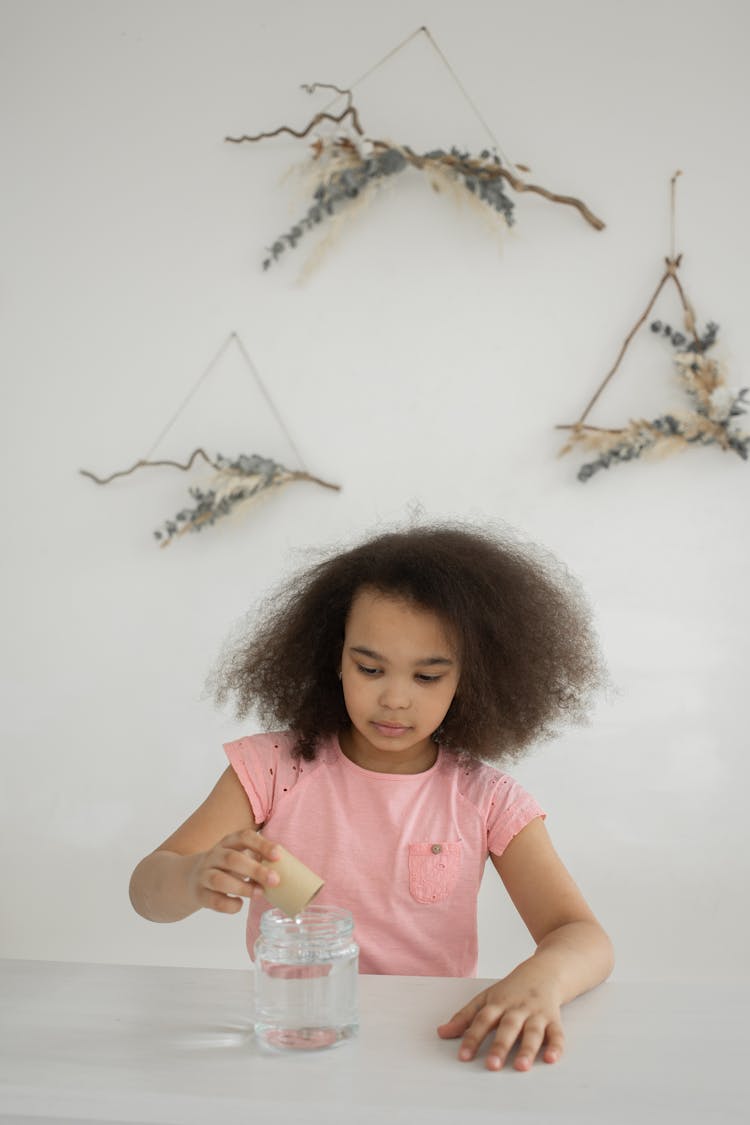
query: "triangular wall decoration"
711, 407
349, 166
236, 483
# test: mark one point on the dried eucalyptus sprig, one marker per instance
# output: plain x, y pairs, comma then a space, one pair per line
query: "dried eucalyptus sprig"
354, 175
711, 419
350, 166
350, 179
237, 484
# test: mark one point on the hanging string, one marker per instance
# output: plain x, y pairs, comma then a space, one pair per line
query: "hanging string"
232, 338
271, 404
191, 393
386, 58
470, 102
672, 213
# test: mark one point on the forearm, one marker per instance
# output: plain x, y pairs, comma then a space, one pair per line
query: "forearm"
160, 887
575, 957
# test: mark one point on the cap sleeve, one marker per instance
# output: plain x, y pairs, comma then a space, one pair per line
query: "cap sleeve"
263, 764
511, 808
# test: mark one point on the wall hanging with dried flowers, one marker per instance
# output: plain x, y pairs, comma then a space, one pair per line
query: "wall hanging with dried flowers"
236, 483
712, 407
348, 166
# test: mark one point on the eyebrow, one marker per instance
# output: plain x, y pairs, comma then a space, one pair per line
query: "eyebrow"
430, 661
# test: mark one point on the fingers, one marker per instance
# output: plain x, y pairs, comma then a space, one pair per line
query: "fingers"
224, 904
244, 866
252, 840
239, 879
531, 1039
459, 1022
555, 1044
237, 867
534, 1035
508, 1023
532, 1032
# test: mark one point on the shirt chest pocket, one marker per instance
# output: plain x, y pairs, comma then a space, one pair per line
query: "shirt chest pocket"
433, 869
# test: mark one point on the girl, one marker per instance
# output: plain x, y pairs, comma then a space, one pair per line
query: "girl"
398, 669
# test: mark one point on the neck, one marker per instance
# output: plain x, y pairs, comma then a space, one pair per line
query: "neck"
416, 759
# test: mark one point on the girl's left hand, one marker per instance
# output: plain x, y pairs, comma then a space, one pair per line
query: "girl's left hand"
523, 1007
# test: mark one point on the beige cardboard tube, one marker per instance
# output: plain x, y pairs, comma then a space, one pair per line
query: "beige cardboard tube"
298, 886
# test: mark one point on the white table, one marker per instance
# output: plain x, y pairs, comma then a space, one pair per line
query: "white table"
125, 1044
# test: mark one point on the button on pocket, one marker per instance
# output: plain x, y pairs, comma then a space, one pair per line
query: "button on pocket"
433, 869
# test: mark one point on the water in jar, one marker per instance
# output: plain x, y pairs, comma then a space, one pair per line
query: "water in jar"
306, 979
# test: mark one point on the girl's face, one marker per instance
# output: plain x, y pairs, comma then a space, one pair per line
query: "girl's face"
399, 673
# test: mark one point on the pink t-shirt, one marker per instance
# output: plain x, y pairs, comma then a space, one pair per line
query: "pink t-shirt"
403, 852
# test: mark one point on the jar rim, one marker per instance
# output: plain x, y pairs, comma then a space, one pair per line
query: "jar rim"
313, 920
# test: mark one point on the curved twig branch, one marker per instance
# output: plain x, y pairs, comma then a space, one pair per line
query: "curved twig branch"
484, 170
311, 87
479, 167
568, 200
672, 267
665, 278
315, 480
579, 426
151, 465
670, 274
293, 474
349, 111
672, 264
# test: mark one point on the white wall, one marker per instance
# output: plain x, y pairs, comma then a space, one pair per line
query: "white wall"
424, 364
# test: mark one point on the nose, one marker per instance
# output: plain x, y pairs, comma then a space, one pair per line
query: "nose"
394, 693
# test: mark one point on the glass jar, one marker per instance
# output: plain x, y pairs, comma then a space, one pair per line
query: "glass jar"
306, 978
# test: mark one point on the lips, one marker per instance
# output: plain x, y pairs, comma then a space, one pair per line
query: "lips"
390, 730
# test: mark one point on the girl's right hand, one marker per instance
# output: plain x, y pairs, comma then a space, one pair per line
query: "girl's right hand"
231, 870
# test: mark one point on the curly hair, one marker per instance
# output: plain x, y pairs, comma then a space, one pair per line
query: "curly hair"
529, 658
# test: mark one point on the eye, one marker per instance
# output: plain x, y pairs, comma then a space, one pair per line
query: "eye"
366, 670
423, 678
